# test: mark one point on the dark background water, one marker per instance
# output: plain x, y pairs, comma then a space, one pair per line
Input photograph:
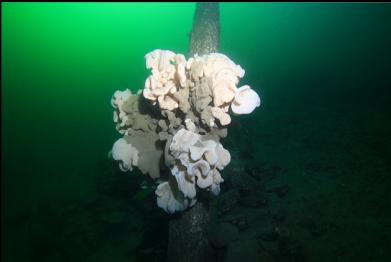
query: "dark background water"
323, 71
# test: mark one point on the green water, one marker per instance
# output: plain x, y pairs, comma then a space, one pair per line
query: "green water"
323, 71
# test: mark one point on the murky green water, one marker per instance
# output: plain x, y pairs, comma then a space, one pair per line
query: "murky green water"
323, 130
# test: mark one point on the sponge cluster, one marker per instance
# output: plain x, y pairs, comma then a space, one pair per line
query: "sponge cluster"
173, 127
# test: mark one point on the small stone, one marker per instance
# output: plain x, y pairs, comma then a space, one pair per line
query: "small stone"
115, 217
253, 201
240, 221
268, 234
246, 250
281, 191
223, 234
227, 201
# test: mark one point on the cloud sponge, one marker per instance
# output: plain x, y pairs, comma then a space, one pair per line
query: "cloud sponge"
173, 127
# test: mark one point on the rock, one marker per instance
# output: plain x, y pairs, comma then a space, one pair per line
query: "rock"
245, 183
253, 172
253, 201
268, 234
279, 216
309, 224
227, 201
264, 256
290, 249
115, 217
240, 221
273, 233
246, 250
223, 234
283, 232
280, 191
267, 172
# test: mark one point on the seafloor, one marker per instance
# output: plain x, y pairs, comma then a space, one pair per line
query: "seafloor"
307, 182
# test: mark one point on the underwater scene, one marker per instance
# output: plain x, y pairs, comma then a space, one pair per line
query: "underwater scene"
189, 132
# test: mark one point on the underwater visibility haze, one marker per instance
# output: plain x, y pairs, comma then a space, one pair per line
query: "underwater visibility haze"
309, 171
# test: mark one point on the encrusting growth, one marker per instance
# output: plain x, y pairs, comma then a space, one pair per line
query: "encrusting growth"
180, 115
